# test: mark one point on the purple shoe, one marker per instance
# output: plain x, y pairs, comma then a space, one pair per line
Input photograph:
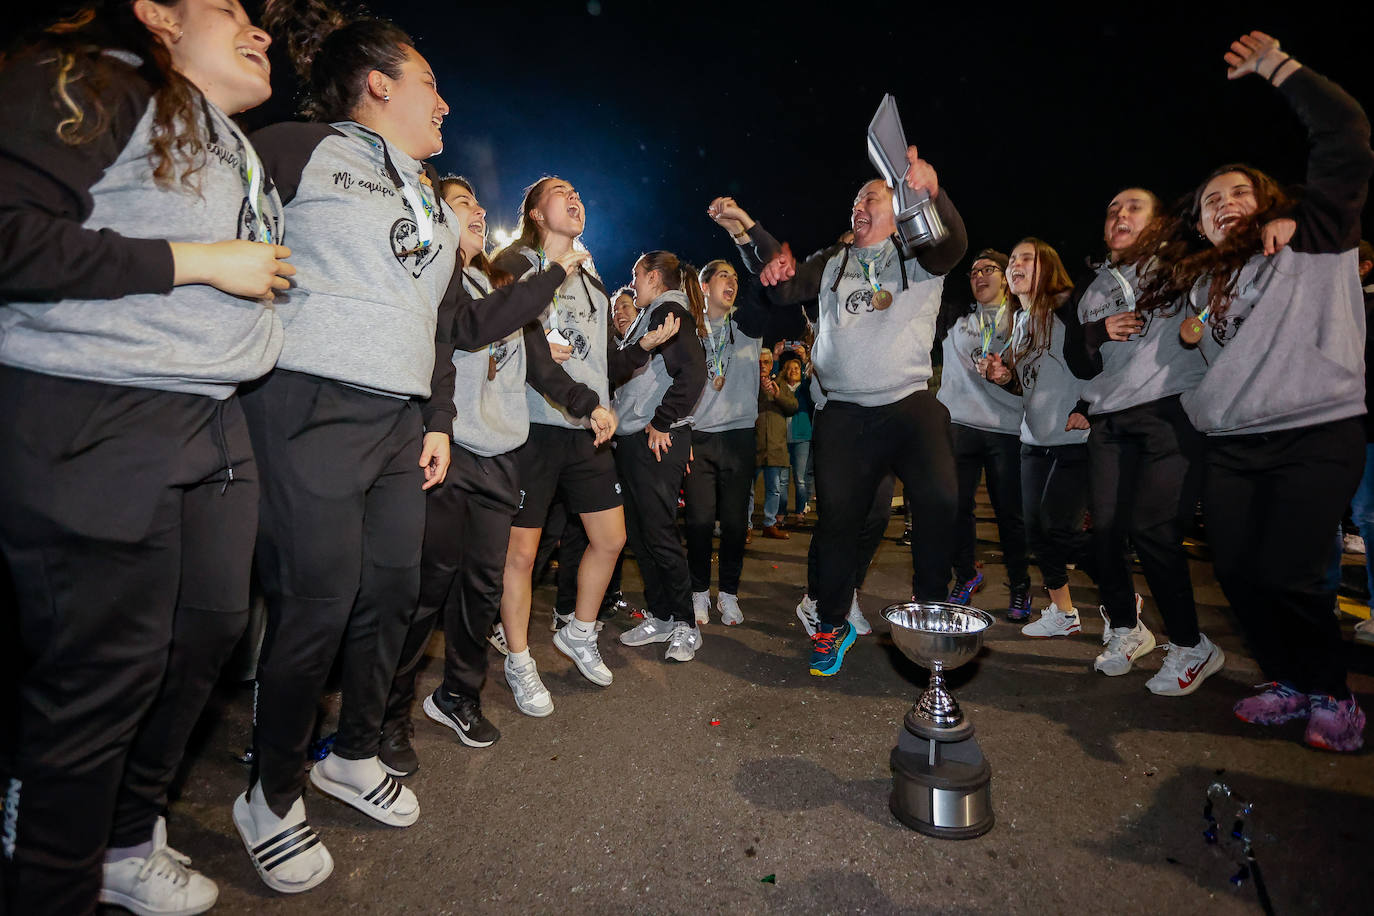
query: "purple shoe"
1019, 607
1336, 725
963, 590
1278, 703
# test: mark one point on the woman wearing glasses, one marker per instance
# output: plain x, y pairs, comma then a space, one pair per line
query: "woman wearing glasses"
985, 425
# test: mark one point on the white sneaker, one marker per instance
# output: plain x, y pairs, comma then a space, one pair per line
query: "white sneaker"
1124, 646
1184, 670
728, 605
497, 638
650, 629
585, 654
683, 643
806, 613
1353, 543
161, 884
856, 617
701, 606
1053, 622
1364, 631
531, 697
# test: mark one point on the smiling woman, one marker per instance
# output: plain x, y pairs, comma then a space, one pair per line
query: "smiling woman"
346, 428
135, 277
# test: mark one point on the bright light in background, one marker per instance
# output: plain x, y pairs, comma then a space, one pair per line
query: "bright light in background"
503, 237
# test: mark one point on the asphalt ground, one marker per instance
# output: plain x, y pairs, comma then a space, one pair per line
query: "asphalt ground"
739, 783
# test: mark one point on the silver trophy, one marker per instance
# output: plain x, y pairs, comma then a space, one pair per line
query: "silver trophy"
918, 222
940, 779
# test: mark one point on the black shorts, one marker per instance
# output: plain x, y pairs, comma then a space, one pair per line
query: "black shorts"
557, 461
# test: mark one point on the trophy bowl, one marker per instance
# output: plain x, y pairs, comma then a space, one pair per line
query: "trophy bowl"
938, 636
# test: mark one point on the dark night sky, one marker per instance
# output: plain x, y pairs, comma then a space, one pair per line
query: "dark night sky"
1032, 119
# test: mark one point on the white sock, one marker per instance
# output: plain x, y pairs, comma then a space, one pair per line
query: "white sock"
120, 853
519, 659
581, 629
361, 775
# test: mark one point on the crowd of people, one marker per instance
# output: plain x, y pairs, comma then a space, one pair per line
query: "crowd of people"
381, 420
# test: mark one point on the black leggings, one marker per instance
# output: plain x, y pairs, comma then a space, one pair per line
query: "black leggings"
343, 515
976, 450
651, 489
127, 552
1054, 496
855, 448
718, 487
1146, 469
1273, 502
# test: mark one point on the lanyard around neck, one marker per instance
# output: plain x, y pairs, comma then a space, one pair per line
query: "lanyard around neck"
413, 195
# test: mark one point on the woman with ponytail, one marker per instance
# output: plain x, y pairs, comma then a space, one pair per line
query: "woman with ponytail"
468, 517
562, 459
1054, 428
139, 263
346, 429
654, 443
1281, 401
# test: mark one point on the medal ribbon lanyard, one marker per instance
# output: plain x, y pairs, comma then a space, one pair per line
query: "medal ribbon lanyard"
988, 332
867, 267
250, 173
413, 194
717, 351
1126, 290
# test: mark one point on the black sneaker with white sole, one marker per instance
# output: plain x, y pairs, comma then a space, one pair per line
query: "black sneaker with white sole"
396, 753
463, 714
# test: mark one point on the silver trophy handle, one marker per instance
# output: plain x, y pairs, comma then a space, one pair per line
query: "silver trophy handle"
918, 222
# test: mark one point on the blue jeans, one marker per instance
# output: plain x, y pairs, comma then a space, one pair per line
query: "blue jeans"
774, 492
800, 453
1362, 510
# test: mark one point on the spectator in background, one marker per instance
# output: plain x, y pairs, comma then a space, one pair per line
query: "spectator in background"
776, 404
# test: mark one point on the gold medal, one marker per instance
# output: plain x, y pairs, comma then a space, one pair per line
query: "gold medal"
882, 299
718, 383
1190, 332
491, 368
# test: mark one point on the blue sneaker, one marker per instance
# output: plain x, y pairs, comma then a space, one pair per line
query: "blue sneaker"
963, 590
1019, 607
828, 647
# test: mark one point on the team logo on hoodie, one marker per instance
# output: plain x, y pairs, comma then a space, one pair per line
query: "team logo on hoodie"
1226, 330
502, 353
405, 245
581, 349
861, 300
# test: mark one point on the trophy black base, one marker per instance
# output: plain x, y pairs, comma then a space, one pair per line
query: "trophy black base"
950, 798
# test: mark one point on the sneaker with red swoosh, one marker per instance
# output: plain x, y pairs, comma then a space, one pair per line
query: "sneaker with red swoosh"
1186, 667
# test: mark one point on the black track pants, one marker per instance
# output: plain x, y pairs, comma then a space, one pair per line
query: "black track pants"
650, 490
1054, 496
1273, 502
999, 454
718, 487
342, 518
119, 529
1146, 468
854, 448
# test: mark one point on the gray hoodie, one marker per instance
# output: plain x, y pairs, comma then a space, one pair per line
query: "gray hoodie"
1050, 391
77, 222
970, 399
581, 310
363, 303
731, 352
490, 413
663, 390
1150, 366
1289, 352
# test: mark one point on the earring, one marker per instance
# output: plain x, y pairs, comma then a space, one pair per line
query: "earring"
386, 97
180, 33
